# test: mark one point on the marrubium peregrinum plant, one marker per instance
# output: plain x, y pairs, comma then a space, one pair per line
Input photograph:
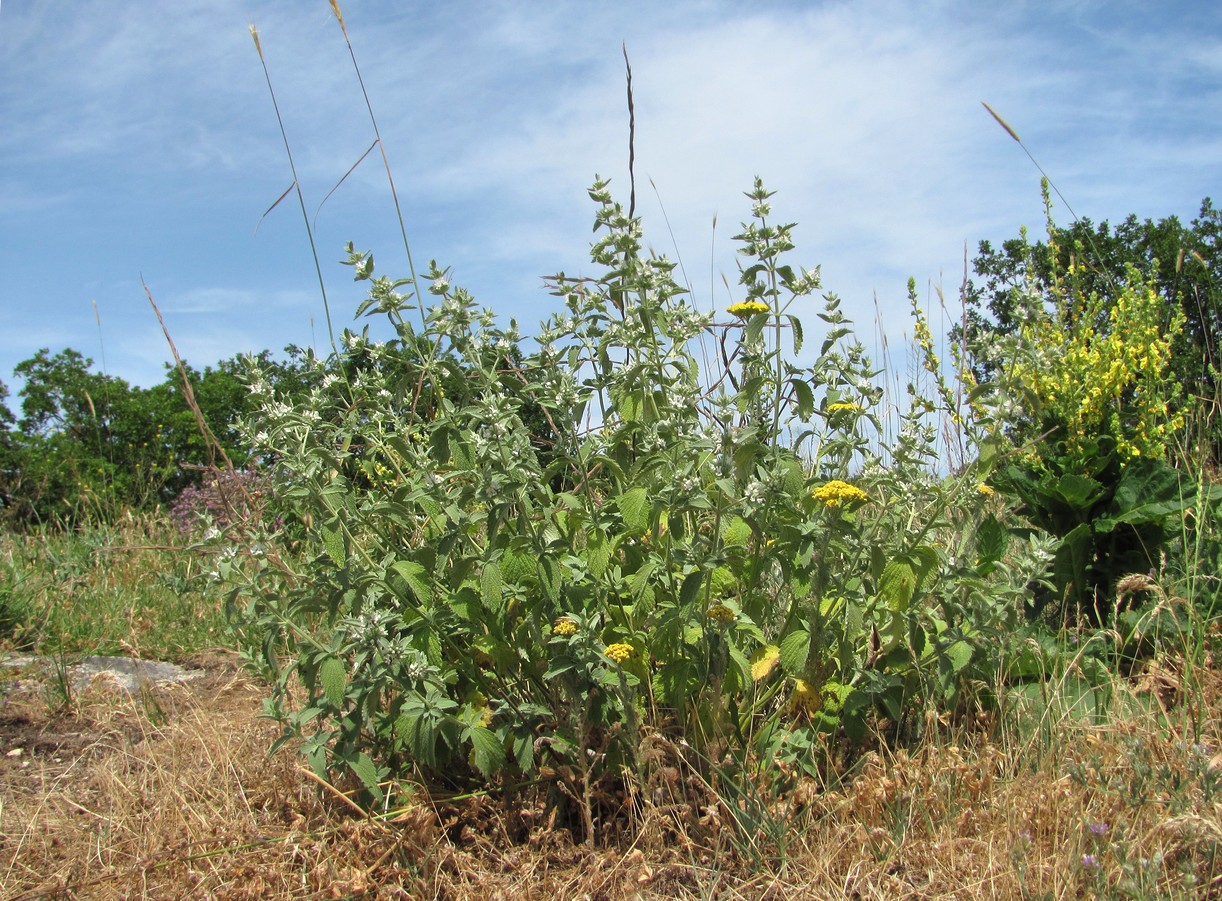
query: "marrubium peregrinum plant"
510, 566
1083, 435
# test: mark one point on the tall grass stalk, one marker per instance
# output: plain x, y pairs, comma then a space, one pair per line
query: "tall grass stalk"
390, 178
295, 186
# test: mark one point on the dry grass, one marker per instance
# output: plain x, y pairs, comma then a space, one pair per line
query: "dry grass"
173, 795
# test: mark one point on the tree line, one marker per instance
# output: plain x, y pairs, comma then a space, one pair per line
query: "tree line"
87, 446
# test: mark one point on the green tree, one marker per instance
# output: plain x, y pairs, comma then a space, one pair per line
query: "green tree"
1183, 262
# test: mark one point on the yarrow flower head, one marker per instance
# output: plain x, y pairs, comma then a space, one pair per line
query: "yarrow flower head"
842, 407
619, 652
747, 308
564, 626
720, 613
837, 492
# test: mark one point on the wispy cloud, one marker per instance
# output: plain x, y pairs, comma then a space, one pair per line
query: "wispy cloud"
140, 138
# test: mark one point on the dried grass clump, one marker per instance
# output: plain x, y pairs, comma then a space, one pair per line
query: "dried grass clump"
172, 794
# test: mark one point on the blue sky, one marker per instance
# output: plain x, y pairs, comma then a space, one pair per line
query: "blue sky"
139, 140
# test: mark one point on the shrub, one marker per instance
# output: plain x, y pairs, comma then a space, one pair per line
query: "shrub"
717, 558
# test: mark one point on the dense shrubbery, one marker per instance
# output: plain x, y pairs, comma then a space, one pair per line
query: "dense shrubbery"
733, 562
89, 447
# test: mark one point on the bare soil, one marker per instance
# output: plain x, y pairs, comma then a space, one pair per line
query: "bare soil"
171, 793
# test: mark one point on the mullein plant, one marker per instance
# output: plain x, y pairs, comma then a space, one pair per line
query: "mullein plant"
719, 559
1083, 437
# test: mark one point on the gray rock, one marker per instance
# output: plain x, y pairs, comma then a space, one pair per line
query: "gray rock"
128, 673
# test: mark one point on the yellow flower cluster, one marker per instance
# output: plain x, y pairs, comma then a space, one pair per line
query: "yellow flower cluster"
720, 613
619, 652
747, 308
986, 490
833, 409
564, 626
837, 492
1099, 368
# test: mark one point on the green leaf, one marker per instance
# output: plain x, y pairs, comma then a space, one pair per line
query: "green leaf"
635, 509
959, 654
689, 592
722, 582
460, 451
490, 585
334, 680
598, 553
367, 771
755, 327
639, 581
549, 578
517, 568
741, 663
1078, 492
897, 584
736, 532
796, 324
489, 751
992, 539
416, 578
804, 398
333, 543
795, 648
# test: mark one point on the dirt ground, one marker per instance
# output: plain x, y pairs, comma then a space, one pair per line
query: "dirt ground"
170, 793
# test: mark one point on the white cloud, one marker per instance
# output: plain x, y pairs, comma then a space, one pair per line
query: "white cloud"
864, 116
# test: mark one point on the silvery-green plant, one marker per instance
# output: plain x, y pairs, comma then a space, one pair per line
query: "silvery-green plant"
498, 563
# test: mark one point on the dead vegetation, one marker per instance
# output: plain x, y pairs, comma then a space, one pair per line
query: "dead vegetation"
172, 794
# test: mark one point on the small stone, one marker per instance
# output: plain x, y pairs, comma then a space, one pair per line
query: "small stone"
16, 752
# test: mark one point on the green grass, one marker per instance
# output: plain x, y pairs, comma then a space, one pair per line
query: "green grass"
129, 589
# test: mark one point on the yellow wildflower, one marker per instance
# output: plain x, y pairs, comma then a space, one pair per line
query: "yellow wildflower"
619, 652
747, 308
986, 490
564, 626
837, 492
843, 407
720, 613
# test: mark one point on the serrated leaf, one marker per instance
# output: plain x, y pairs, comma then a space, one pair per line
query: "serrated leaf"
804, 398
517, 568
795, 648
755, 327
489, 753
897, 584
634, 508
333, 543
638, 583
992, 540
490, 586
736, 532
524, 752
741, 663
367, 771
722, 582
460, 451
689, 592
416, 578
764, 661
549, 579
334, 680
959, 654
796, 324
598, 554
